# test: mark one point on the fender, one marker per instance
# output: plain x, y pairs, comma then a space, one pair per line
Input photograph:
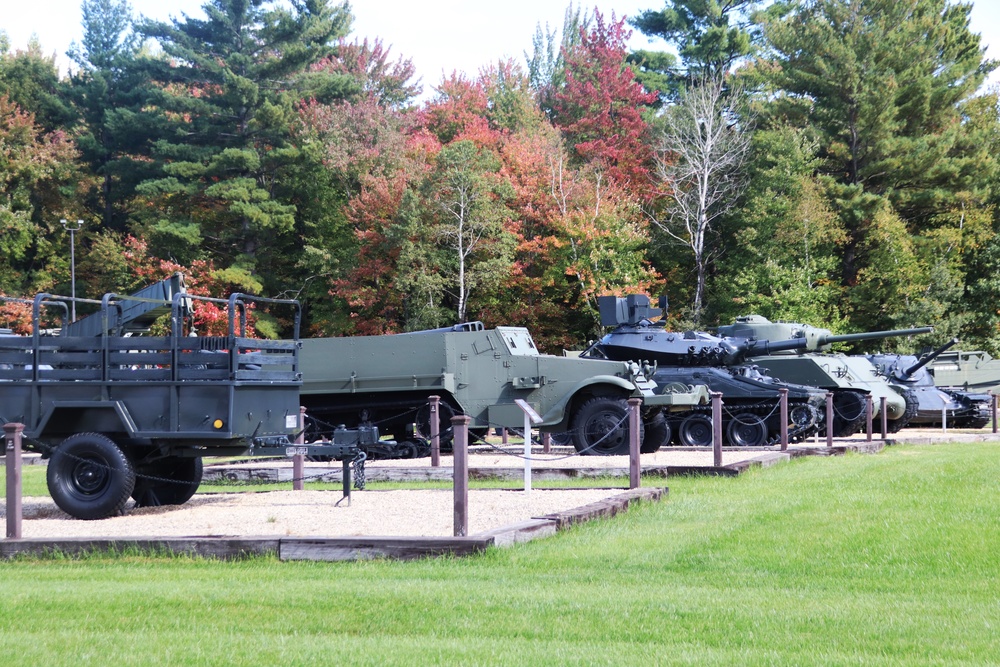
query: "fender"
598, 385
92, 416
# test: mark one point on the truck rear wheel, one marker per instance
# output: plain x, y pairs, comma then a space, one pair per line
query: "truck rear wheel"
600, 427
169, 481
89, 477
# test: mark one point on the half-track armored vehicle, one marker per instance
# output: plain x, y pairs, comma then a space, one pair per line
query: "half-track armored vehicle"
849, 378
956, 407
387, 380
751, 415
123, 416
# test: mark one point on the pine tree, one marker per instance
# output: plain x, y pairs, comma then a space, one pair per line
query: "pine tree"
229, 86
109, 93
881, 85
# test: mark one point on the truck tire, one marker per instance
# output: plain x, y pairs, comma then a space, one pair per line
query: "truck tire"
657, 434
89, 477
169, 481
600, 427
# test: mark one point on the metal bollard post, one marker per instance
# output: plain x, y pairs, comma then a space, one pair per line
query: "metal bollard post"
299, 460
883, 412
944, 419
503, 436
717, 428
869, 409
435, 402
634, 470
12, 444
829, 419
546, 442
460, 472
783, 403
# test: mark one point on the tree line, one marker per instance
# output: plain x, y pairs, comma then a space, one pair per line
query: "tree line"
824, 161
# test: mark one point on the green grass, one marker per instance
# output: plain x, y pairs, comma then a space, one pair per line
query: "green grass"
891, 559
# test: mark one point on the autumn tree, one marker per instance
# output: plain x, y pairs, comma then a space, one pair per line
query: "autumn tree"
38, 171
600, 107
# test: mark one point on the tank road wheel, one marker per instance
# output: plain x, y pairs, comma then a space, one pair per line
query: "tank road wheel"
89, 477
657, 434
600, 427
169, 481
746, 430
696, 431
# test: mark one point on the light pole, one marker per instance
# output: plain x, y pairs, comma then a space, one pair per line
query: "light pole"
72, 261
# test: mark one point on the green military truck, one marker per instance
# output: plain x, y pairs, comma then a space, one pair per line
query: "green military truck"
121, 415
479, 372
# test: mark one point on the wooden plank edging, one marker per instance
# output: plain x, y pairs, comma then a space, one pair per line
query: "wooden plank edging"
225, 548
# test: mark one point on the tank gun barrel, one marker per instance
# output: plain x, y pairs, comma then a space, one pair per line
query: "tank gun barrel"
928, 358
870, 335
813, 341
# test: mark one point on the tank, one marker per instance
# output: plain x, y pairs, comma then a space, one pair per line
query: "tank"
849, 378
751, 414
961, 409
974, 371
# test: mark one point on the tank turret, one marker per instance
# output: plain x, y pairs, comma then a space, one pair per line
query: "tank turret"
751, 397
779, 336
850, 378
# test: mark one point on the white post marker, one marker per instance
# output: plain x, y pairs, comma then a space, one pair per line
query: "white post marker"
530, 416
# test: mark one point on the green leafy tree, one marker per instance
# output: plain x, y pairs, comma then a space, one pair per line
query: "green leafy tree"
30, 79
468, 204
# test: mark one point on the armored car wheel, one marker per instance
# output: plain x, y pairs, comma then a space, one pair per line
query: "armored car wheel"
600, 427
696, 431
89, 476
657, 434
169, 481
747, 430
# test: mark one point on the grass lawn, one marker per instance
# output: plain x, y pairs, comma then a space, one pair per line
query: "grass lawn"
889, 559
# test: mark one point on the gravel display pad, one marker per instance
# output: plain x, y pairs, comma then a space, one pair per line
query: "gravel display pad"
310, 513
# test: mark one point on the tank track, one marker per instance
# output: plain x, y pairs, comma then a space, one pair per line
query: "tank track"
849, 428
977, 412
763, 409
912, 407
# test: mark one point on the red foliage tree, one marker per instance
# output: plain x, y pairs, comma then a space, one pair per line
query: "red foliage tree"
600, 107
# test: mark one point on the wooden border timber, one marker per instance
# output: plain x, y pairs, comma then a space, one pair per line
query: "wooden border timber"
335, 548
